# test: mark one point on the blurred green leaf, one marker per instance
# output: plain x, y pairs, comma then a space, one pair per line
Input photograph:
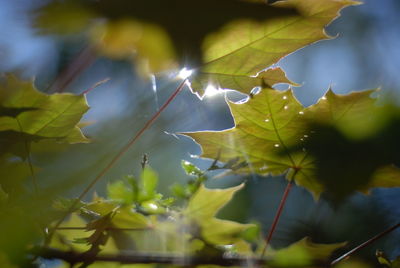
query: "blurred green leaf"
190, 168
154, 34
3, 196
120, 192
253, 233
205, 203
5, 262
179, 190
36, 116
353, 264
152, 207
13, 175
202, 208
149, 180
303, 253
128, 218
123, 217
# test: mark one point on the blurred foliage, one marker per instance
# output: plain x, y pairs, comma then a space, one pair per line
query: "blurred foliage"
303, 253
147, 30
115, 225
383, 259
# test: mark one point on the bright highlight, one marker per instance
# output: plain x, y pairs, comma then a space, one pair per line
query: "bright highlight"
211, 91
184, 73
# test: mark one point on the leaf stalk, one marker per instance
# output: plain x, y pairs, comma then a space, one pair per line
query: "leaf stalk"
366, 243
279, 212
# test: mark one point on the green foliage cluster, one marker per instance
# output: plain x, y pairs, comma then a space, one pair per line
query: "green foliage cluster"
328, 148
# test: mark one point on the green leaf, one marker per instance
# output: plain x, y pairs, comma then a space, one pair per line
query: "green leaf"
222, 232
120, 192
149, 180
242, 83
152, 32
351, 132
13, 175
39, 115
233, 57
353, 264
3, 196
253, 233
303, 253
202, 208
124, 217
64, 204
99, 227
275, 134
65, 238
264, 127
179, 190
190, 168
152, 207
382, 259
355, 114
5, 262
205, 203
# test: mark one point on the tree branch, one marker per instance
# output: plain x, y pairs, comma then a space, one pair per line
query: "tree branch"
73, 257
366, 243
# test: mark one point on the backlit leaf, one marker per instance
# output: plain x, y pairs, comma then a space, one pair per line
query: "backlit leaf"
264, 127
190, 168
149, 180
203, 207
120, 192
275, 134
303, 252
147, 29
205, 203
233, 57
124, 217
40, 115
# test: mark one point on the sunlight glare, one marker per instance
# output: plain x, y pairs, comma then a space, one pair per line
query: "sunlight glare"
211, 91
184, 73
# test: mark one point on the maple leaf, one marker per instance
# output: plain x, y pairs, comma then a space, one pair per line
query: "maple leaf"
28, 115
202, 208
275, 134
235, 57
353, 143
156, 30
303, 252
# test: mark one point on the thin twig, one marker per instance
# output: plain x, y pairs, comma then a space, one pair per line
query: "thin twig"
178, 260
108, 228
366, 243
33, 175
279, 212
117, 157
83, 60
29, 158
96, 85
